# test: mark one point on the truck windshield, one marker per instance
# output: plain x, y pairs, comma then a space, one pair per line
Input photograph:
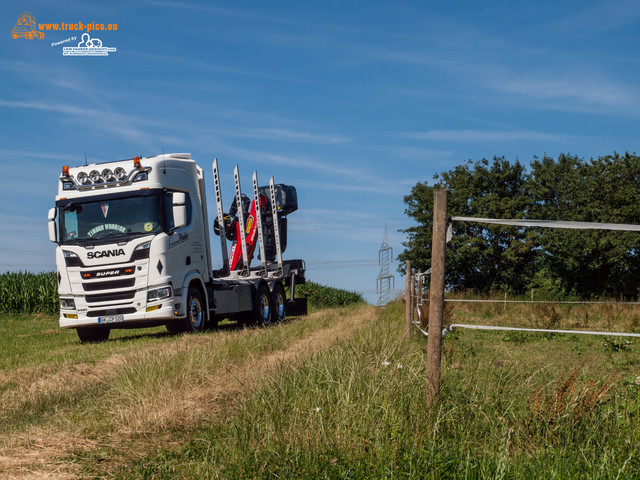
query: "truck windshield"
108, 218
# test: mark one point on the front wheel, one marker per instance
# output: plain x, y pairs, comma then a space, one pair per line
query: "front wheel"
196, 315
92, 334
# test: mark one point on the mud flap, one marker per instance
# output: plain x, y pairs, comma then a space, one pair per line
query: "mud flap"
297, 308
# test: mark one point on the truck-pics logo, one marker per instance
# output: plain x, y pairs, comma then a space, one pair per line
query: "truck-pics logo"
25, 27
106, 253
88, 47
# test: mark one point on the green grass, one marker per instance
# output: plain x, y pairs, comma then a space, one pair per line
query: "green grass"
546, 407
348, 401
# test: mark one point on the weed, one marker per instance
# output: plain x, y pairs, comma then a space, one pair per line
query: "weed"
547, 316
516, 336
616, 344
568, 402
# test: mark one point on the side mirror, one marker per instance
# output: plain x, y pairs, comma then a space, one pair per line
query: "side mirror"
179, 210
53, 230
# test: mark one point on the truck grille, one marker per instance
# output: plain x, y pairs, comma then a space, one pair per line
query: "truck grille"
111, 311
92, 287
110, 297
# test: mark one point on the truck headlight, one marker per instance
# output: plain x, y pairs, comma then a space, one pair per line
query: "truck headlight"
158, 293
141, 251
67, 303
71, 259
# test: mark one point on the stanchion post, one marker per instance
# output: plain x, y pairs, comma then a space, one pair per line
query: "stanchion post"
407, 297
436, 293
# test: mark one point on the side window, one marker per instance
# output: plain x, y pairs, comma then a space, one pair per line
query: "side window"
70, 224
168, 209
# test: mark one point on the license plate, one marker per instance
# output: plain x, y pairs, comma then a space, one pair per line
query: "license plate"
111, 319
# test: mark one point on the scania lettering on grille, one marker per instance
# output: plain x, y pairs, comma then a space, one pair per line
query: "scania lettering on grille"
106, 253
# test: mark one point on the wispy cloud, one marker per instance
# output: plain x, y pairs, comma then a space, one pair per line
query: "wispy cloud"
282, 134
279, 20
417, 153
485, 136
123, 125
598, 18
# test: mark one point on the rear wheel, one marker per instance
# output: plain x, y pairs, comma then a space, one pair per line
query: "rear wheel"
279, 303
92, 334
264, 305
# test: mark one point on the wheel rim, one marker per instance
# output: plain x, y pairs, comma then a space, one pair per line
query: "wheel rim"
264, 309
195, 313
279, 306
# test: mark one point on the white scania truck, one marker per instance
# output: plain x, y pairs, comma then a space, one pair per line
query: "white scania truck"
133, 249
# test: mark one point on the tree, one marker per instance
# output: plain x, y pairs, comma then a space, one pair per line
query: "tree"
606, 190
479, 257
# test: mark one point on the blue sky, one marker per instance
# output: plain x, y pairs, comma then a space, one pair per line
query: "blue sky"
351, 102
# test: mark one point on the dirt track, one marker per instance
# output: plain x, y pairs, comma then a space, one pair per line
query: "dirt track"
137, 419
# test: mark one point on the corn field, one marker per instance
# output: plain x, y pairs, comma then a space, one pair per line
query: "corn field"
23, 292
321, 296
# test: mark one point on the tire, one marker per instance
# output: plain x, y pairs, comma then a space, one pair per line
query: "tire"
92, 334
176, 327
264, 310
279, 303
196, 314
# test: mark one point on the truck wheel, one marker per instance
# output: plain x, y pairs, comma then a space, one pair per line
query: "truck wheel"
264, 304
279, 303
196, 316
93, 334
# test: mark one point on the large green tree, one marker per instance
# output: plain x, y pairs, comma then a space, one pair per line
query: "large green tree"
480, 257
483, 257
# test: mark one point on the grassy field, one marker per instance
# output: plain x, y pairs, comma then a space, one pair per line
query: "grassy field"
338, 394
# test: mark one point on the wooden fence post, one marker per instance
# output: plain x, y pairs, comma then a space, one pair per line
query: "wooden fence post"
407, 296
436, 293
419, 301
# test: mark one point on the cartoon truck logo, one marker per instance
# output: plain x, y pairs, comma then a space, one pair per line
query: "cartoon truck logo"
26, 27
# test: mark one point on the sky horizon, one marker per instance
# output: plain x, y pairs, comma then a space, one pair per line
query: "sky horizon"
353, 103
